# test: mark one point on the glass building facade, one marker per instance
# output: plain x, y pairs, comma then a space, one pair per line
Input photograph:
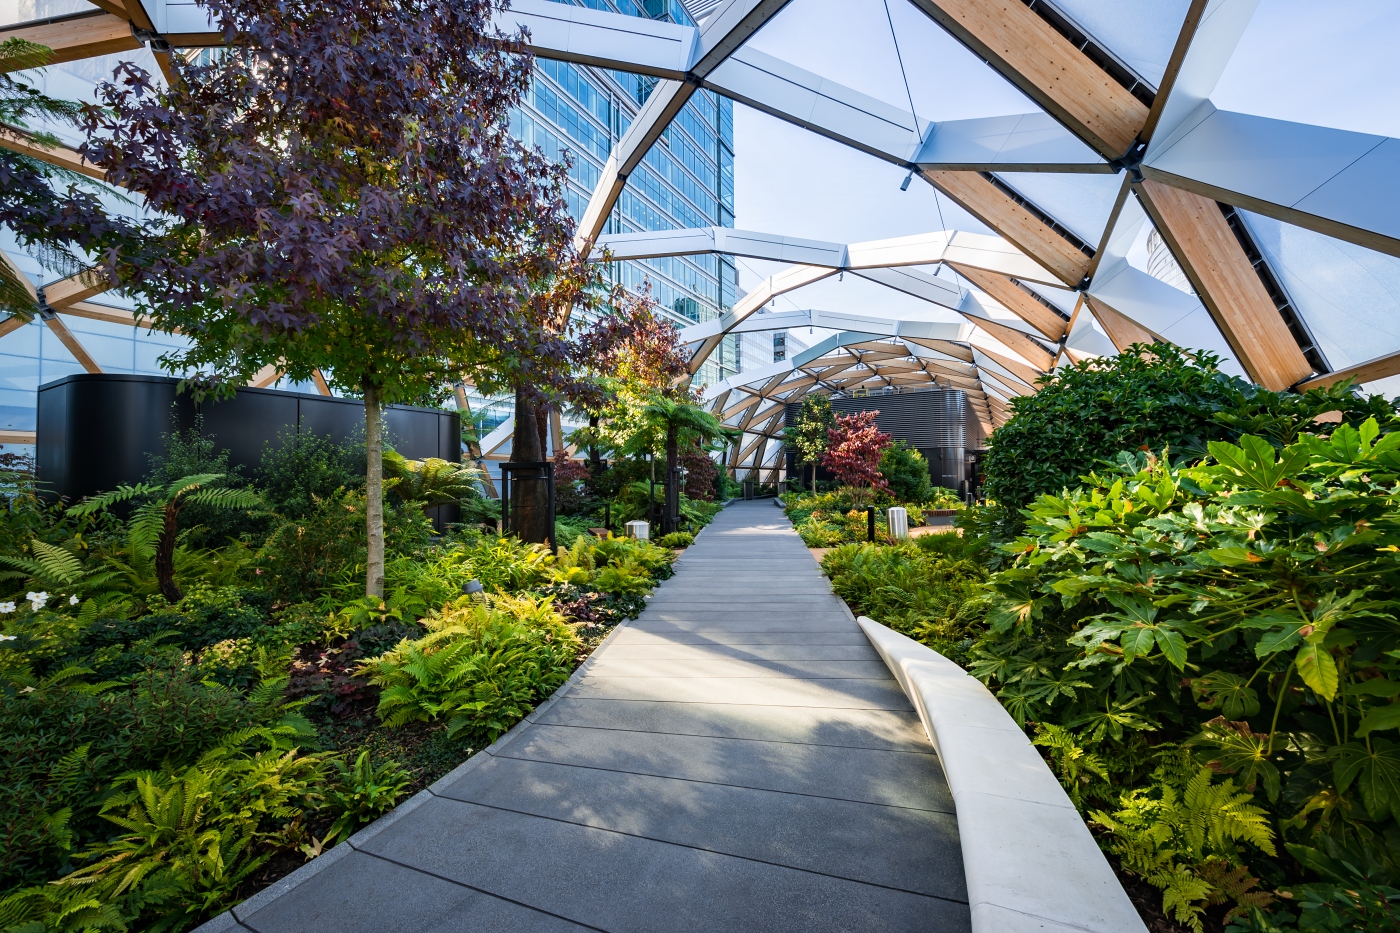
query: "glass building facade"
686, 180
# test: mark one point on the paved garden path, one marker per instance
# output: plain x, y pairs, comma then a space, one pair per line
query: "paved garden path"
738, 758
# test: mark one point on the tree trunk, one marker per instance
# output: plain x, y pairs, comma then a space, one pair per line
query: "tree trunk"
374, 492
529, 499
669, 521
595, 459
165, 554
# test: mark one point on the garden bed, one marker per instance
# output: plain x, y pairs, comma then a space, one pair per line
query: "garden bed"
272, 689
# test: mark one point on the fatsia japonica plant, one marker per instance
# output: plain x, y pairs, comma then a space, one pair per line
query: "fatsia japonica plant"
1245, 607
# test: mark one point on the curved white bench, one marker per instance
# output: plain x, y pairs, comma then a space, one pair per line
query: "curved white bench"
1030, 861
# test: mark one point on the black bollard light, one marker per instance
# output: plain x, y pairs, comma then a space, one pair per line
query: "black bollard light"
870, 522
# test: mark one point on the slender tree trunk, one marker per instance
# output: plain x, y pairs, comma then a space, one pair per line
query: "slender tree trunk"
165, 554
529, 499
374, 491
673, 493
595, 459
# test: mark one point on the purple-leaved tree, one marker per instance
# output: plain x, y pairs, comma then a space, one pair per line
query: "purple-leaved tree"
343, 194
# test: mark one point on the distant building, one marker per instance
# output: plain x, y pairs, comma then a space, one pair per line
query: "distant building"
1161, 264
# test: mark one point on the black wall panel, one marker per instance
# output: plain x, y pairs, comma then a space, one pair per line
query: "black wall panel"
97, 431
939, 423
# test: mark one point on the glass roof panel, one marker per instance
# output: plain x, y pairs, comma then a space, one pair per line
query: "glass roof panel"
1348, 295
849, 42
1141, 33
1082, 203
25, 11
1329, 64
1062, 298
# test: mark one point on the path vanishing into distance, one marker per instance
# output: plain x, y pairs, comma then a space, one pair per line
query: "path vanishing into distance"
736, 759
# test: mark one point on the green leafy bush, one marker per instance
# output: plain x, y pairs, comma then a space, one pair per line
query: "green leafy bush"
361, 793
1188, 836
69, 742
906, 471
929, 595
1245, 609
302, 469
480, 668
677, 539
187, 839
1148, 397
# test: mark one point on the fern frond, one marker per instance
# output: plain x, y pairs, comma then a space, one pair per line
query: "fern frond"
121, 494
59, 564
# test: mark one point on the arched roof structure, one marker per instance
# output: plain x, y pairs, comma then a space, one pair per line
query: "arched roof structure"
1236, 198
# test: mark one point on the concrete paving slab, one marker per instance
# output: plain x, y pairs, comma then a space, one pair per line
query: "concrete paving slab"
859, 841
672, 651
624, 883
366, 894
632, 635
774, 691
851, 728
749, 620
736, 667
889, 778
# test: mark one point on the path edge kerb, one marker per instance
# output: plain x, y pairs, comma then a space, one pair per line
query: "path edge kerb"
1031, 862
234, 917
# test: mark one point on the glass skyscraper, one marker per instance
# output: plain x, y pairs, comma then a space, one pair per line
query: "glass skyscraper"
687, 180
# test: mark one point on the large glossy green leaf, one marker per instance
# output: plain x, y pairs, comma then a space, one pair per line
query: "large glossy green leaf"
1379, 717
1376, 773
1318, 670
1226, 692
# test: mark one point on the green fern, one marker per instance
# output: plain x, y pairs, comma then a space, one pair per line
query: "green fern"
1185, 837
1075, 767
480, 668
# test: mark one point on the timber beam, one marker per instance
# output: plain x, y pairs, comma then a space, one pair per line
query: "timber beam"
981, 198
1018, 300
1025, 48
77, 36
1227, 283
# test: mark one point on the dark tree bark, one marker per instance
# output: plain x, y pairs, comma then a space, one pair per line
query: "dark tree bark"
165, 554
595, 459
671, 518
529, 499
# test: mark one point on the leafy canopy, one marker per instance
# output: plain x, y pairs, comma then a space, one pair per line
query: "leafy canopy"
342, 193
1148, 397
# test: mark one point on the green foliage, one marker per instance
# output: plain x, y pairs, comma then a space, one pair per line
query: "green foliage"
430, 482
1081, 772
1151, 397
153, 531
302, 469
480, 668
1187, 836
809, 434
617, 566
361, 793
1245, 608
677, 539
69, 744
906, 471
306, 557
190, 837
931, 595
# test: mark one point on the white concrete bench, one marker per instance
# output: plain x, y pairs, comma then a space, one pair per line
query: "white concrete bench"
1030, 861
